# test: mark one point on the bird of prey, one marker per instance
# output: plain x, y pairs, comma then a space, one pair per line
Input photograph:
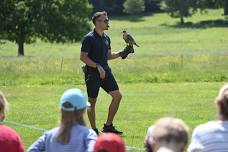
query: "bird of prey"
129, 39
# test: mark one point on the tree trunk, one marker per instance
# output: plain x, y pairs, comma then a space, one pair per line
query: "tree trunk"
181, 20
20, 47
226, 8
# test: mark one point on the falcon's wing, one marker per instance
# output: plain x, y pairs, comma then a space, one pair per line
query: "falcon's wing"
130, 38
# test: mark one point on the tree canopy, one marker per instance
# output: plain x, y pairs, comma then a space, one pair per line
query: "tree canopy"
51, 20
180, 8
134, 6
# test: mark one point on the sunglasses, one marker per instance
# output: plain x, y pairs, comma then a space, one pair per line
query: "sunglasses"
105, 20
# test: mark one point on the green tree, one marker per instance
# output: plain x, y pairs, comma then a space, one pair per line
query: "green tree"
210, 3
180, 8
111, 6
134, 6
22, 21
223, 4
204, 4
115, 7
152, 6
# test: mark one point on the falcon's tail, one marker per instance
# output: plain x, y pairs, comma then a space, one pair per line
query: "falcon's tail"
136, 44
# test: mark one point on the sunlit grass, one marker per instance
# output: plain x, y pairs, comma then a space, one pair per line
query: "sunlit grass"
142, 104
157, 69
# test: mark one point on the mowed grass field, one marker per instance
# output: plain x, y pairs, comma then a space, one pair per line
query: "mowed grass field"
142, 104
176, 71
168, 53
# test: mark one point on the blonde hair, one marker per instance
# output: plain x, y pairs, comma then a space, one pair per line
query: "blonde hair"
67, 121
170, 129
3, 104
222, 99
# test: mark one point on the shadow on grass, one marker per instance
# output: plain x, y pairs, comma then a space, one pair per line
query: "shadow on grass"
202, 24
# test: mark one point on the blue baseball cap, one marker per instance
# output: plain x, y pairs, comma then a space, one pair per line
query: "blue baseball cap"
76, 98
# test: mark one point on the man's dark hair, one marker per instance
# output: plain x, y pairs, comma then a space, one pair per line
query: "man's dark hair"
97, 15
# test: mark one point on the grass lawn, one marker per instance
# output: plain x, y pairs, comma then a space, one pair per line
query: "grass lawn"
142, 104
196, 52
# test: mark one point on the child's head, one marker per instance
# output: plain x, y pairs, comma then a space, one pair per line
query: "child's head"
222, 101
167, 132
3, 106
109, 142
73, 104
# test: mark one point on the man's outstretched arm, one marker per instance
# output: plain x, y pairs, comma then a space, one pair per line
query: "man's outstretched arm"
122, 53
113, 55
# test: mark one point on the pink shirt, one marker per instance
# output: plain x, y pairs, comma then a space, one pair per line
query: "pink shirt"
10, 141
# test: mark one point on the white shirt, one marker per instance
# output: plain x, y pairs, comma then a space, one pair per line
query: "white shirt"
210, 137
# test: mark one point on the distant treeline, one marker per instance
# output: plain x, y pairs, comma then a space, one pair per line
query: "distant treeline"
175, 8
116, 7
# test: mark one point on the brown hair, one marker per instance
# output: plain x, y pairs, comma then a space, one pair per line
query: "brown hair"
222, 99
3, 105
97, 15
68, 120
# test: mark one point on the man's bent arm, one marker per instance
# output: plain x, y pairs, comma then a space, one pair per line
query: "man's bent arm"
84, 58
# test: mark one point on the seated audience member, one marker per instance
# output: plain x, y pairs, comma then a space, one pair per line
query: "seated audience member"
213, 135
167, 135
109, 142
9, 139
72, 135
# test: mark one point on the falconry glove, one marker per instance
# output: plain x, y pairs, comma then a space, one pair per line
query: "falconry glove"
127, 50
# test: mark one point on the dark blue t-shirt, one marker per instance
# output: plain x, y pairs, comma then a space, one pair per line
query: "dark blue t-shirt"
97, 47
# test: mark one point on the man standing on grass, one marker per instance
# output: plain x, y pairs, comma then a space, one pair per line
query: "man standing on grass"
95, 53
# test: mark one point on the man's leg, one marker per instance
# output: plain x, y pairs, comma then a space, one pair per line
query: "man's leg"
110, 86
92, 113
113, 107
93, 84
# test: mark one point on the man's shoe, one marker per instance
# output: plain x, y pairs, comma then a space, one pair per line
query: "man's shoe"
111, 128
96, 131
